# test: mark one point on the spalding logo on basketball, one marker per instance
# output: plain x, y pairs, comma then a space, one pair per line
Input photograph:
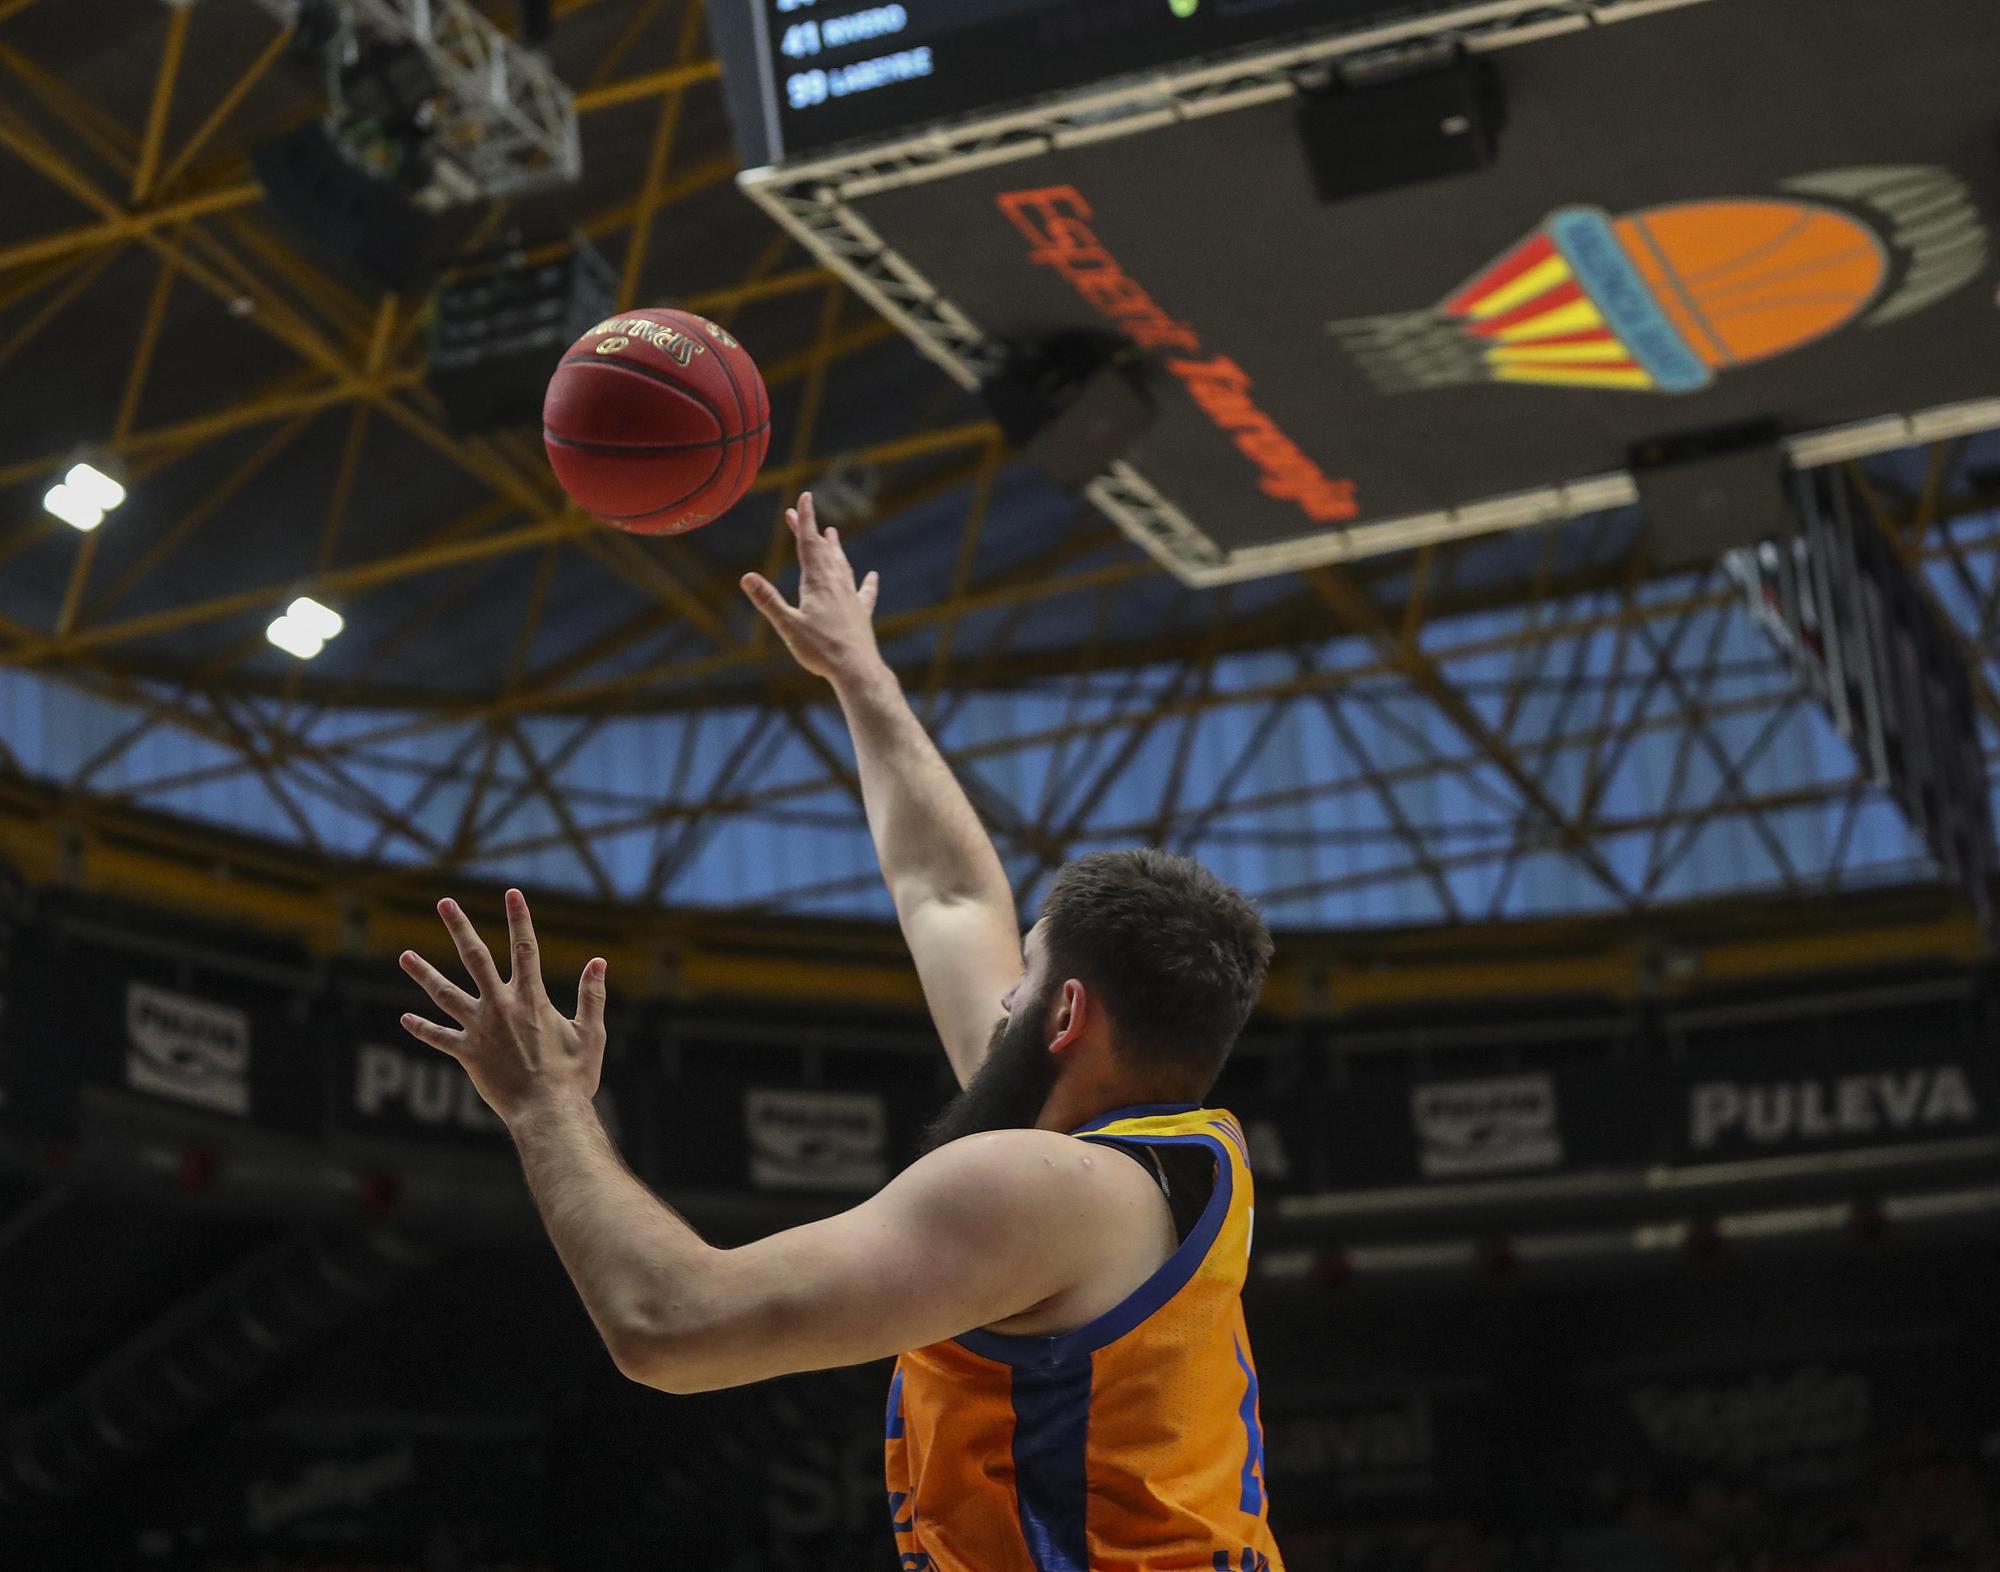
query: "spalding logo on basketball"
657, 422
1668, 299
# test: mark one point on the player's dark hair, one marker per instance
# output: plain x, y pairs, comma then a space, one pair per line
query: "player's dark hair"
1177, 957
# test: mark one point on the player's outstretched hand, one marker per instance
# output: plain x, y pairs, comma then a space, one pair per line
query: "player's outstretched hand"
513, 1042
831, 632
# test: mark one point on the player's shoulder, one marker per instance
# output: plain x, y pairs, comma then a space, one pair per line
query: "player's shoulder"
1024, 1172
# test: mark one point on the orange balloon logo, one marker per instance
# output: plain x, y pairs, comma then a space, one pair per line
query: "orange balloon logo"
1667, 299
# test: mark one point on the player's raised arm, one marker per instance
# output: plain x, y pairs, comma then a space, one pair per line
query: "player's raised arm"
977, 1232
952, 896
980, 1231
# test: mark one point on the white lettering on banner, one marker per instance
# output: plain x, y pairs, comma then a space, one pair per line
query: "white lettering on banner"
432, 1091
191, 1050
1764, 1416
810, 1140
1388, 1450
1505, 1124
1928, 1098
333, 1483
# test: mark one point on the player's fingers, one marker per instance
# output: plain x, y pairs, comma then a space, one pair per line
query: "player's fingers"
445, 994
527, 954
871, 592
764, 596
808, 516
792, 521
442, 1038
471, 948
590, 997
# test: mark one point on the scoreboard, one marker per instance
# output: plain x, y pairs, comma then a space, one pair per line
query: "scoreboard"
806, 74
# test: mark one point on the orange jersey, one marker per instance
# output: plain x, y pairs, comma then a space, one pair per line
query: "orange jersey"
1132, 1444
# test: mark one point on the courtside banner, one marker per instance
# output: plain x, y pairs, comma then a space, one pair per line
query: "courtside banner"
754, 1116
1393, 1132
381, 1492
383, 1082
194, 1038
1705, 215
1810, 1422
1729, 1107
1338, 1457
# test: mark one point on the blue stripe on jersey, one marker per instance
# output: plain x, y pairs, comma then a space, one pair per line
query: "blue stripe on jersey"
896, 1405
1170, 1279
1051, 1427
1252, 1500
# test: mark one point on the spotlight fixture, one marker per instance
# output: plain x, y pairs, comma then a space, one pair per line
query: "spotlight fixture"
83, 496
306, 628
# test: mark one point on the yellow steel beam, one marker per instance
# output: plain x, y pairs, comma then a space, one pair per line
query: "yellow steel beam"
531, 620
13, 8
651, 575
946, 439
52, 308
334, 304
1360, 614
219, 878
276, 317
198, 515
645, 16
226, 106
382, 339
343, 487
1030, 582
120, 225
129, 226
365, 575
178, 20
650, 186
128, 409
654, 84
819, 361
550, 793
202, 429
716, 302
657, 161
704, 176
142, 353
594, 692
961, 573
31, 282
97, 130
855, 341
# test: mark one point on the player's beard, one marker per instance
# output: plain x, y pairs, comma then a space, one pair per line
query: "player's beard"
1008, 1090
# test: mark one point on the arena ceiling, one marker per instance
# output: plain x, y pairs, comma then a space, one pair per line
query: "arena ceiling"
1523, 725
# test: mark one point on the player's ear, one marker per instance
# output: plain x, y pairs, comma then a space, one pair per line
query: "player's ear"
1072, 1013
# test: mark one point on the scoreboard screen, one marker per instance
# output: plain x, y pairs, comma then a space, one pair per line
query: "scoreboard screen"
806, 74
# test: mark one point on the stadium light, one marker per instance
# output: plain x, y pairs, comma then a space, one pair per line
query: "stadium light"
323, 622
306, 628
83, 497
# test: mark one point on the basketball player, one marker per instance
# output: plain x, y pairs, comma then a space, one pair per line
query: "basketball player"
1061, 1270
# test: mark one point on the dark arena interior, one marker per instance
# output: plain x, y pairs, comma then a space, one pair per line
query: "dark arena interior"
1512, 488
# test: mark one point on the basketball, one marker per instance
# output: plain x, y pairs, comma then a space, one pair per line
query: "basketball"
656, 422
